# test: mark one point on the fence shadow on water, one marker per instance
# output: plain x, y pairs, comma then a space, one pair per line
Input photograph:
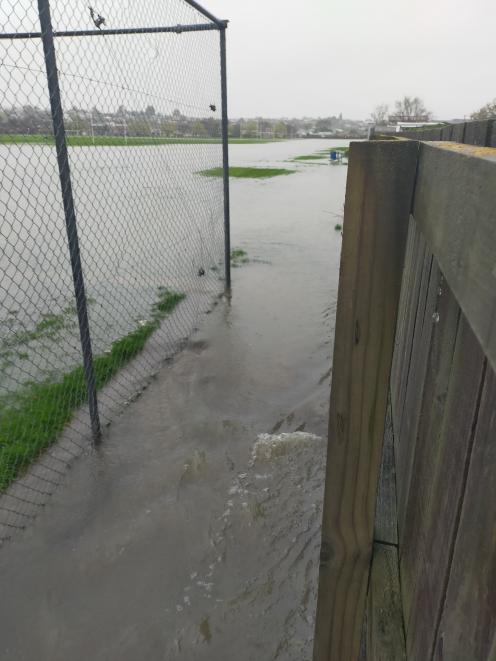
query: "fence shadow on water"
112, 242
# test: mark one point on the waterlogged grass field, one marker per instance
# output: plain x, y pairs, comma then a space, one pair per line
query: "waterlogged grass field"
248, 172
32, 419
322, 154
310, 157
119, 141
33, 414
239, 257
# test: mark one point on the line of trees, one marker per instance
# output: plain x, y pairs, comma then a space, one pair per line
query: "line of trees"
407, 109
31, 119
486, 112
412, 109
150, 122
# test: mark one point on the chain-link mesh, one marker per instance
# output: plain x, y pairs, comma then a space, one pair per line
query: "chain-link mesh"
142, 118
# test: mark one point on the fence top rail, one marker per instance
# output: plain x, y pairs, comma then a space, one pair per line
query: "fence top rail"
455, 207
206, 13
177, 29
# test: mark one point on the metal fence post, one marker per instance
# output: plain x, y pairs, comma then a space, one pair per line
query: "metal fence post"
69, 211
225, 156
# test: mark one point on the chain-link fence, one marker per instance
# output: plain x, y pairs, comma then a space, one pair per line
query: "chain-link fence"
113, 234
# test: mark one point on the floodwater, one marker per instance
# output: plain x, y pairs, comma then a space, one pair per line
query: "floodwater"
146, 219
193, 532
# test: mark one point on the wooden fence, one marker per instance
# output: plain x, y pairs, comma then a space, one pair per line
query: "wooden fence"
482, 133
413, 411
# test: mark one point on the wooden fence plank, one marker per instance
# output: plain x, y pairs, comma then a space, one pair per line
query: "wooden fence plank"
416, 299
458, 133
362, 656
430, 417
405, 437
447, 132
468, 627
379, 189
403, 350
476, 133
441, 345
386, 523
454, 208
439, 469
481, 132
491, 139
385, 633
402, 320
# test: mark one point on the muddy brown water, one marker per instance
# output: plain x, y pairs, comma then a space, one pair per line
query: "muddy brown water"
193, 532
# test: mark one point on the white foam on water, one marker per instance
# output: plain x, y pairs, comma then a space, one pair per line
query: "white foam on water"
260, 578
269, 446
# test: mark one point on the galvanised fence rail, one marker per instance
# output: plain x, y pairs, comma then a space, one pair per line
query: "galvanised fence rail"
114, 236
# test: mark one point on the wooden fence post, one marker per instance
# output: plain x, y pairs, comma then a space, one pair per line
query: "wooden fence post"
379, 192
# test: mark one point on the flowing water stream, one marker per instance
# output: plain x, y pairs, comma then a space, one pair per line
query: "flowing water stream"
193, 532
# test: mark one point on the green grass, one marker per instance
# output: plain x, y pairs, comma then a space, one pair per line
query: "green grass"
119, 141
239, 257
49, 327
247, 173
309, 157
322, 154
32, 419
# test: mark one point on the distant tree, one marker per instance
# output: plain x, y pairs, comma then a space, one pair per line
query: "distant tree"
235, 130
411, 108
290, 129
380, 114
250, 129
138, 127
150, 111
167, 128
486, 112
198, 129
212, 127
280, 130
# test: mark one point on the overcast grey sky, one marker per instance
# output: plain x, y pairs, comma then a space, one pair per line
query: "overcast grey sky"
323, 57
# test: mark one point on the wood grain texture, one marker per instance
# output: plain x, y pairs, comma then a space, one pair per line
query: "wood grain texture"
386, 525
440, 344
400, 343
379, 188
406, 435
413, 290
362, 655
453, 388
455, 208
468, 626
385, 634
